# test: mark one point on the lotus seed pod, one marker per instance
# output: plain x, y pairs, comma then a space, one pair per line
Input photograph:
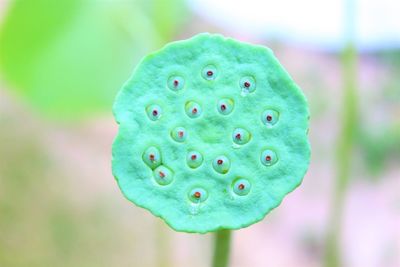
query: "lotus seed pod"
230, 100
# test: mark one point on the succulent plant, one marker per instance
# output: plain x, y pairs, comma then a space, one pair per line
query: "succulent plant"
212, 134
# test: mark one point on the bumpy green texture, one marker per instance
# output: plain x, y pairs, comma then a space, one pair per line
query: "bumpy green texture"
212, 134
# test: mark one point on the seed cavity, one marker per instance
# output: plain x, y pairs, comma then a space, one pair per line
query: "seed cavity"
152, 157
179, 134
154, 112
248, 85
163, 175
198, 195
194, 159
176, 83
193, 109
241, 136
241, 186
268, 157
225, 106
270, 117
209, 72
221, 164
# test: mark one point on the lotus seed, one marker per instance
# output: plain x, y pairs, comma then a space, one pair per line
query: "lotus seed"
193, 109
198, 195
225, 106
268, 157
248, 84
153, 112
221, 164
194, 159
163, 175
152, 157
176, 83
209, 72
241, 187
179, 134
240, 136
270, 117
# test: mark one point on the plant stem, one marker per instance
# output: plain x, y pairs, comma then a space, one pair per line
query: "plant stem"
222, 243
345, 142
163, 257
345, 145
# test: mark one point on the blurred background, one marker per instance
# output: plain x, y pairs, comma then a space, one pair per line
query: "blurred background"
61, 65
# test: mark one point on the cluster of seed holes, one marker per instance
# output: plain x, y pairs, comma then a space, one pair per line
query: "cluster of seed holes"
161, 173
221, 164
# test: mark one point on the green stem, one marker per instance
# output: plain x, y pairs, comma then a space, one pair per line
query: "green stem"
345, 142
222, 244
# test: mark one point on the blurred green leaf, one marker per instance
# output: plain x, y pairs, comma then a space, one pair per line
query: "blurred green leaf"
167, 15
70, 57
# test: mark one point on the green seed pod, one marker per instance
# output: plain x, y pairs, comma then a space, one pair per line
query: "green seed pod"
236, 88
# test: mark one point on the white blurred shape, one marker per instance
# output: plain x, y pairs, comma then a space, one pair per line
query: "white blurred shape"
309, 22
